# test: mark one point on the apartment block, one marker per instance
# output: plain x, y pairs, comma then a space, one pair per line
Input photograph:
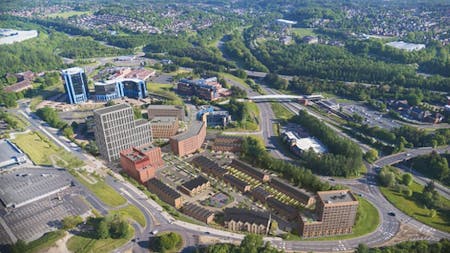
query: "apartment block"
227, 144
116, 130
199, 213
209, 167
239, 219
164, 127
335, 212
189, 141
141, 162
304, 197
236, 183
195, 186
165, 193
165, 111
249, 170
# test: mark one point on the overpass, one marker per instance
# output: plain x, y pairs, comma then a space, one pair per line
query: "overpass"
284, 98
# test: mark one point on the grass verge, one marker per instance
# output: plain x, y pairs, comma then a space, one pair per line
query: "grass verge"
413, 208
80, 244
131, 212
281, 112
102, 190
45, 241
41, 150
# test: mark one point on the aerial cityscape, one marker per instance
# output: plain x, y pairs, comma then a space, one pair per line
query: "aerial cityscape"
200, 126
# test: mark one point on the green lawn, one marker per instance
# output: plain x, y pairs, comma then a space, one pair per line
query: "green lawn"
367, 221
304, 32
41, 150
234, 78
164, 90
80, 244
131, 212
414, 209
281, 112
68, 14
102, 190
47, 240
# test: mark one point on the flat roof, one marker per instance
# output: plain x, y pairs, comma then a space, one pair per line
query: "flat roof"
8, 151
174, 107
73, 70
193, 130
163, 119
111, 109
23, 186
310, 142
140, 122
339, 196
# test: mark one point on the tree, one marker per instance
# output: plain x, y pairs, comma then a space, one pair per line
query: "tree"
70, 222
68, 131
137, 112
362, 248
251, 243
103, 229
433, 213
273, 226
371, 155
19, 247
387, 178
407, 179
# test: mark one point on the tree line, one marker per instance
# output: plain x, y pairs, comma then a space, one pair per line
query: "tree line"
442, 246
432, 165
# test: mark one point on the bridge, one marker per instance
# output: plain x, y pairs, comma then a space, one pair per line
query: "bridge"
284, 98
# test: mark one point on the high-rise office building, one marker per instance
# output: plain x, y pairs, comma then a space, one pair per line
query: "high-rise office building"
76, 85
117, 88
116, 130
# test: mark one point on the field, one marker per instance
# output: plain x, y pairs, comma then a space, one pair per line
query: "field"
44, 152
102, 190
411, 207
164, 90
131, 212
304, 32
281, 112
80, 244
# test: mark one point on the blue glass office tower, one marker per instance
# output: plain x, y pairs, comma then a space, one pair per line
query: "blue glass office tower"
76, 85
117, 88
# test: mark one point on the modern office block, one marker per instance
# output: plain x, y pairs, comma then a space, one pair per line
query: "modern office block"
190, 141
164, 127
116, 130
165, 111
76, 85
117, 88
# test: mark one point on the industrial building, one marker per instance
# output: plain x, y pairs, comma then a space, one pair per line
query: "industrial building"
165, 193
116, 130
165, 111
299, 145
189, 141
335, 212
75, 85
141, 162
164, 127
10, 154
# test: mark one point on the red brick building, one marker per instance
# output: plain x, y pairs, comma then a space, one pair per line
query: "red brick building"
141, 162
189, 141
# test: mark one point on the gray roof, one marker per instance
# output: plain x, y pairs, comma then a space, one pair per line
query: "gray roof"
112, 108
8, 151
174, 107
340, 196
163, 119
193, 130
27, 185
164, 188
141, 122
194, 183
244, 215
197, 210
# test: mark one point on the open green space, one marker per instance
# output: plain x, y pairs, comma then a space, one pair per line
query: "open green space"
44, 152
234, 78
281, 112
68, 14
40, 244
303, 32
131, 212
165, 90
102, 190
81, 244
367, 221
415, 209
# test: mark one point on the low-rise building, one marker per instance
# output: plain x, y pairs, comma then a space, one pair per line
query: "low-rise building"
236, 183
249, 170
214, 118
259, 194
199, 213
141, 162
165, 111
189, 141
207, 89
304, 197
299, 145
285, 210
19, 86
227, 143
164, 127
239, 219
195, 186
165, 193
209, 167
335, 215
